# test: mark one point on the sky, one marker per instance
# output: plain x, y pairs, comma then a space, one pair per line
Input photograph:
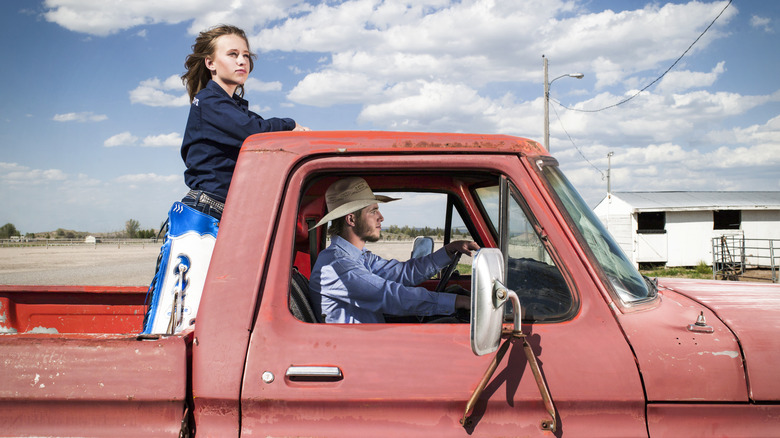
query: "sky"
93, 110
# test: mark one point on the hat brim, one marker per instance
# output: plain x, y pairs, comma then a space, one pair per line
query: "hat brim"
351, 207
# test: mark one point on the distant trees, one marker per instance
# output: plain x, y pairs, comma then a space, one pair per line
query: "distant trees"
131, 228
394, 232
65, 234
146, 234
8, 230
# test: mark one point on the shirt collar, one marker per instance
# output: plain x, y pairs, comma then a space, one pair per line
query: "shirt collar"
347, 247
214, 87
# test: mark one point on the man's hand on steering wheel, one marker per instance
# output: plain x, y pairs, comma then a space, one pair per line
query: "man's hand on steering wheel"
455, 250
462, 247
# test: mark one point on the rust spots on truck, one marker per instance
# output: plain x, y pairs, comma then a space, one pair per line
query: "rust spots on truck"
524, 147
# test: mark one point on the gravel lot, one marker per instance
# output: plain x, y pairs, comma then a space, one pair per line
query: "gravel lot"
99, 265
108, 264
133, 264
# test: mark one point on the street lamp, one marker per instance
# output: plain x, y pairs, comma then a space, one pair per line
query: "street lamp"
547, 101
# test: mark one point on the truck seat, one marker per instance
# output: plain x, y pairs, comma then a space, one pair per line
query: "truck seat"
308, 242
298, 301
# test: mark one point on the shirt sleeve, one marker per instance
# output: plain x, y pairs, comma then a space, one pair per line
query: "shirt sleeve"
226, 123
411, 272
373, 293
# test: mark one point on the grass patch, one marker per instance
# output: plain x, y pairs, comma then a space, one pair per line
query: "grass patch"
701, 271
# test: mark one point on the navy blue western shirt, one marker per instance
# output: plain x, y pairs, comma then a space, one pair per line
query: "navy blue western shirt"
216, 128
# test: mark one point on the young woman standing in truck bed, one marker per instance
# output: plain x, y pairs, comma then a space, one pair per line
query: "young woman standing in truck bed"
219, 119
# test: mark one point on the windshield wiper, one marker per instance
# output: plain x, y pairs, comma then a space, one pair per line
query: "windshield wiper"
653, 284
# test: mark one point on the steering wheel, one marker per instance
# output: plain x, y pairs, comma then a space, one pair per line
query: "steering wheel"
447, 273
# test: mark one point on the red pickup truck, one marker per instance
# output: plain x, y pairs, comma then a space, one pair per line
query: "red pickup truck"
592, 348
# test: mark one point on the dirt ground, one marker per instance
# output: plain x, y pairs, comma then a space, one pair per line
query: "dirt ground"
134, 264
99, 265
110, 264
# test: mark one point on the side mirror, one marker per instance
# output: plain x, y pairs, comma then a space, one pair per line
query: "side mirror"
488, 296
422, 246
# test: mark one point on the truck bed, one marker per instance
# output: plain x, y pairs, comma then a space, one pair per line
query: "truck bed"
73, 364
71, 309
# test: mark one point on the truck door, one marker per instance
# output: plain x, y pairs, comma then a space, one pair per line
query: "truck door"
409, 379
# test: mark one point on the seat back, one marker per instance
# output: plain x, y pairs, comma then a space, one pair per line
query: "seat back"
298, 301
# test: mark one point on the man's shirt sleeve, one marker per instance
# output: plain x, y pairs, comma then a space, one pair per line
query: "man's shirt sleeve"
350, 282
411, 272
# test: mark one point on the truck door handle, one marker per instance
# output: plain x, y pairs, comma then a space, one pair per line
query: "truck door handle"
314, 373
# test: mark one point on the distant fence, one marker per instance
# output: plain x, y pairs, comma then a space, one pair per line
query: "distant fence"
733, 255
25, 242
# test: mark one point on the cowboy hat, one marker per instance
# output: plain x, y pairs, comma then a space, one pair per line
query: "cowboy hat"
349, 195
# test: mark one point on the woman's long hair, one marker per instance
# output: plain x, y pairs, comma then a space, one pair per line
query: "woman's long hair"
197, 75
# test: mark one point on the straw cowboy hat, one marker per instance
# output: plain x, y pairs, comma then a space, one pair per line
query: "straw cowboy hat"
347, 196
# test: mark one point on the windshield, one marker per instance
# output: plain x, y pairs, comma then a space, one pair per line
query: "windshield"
627, 282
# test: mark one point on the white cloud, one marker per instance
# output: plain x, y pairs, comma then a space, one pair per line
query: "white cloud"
80, 117
94, 18
154, 92
434, 104
331, 87
163, 140
439, 65
763, 23
122, 139
84, 202
260, 86
147, 177
676, 81
257, 109
128, 139
13, 174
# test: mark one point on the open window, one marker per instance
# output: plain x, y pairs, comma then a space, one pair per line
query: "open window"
531, 271
651, 222
431, 205
726, 219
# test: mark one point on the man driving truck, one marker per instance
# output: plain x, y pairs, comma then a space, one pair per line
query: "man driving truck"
351, 285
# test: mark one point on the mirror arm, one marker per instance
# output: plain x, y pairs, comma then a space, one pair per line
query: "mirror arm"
550, 424
465, 420
501, 294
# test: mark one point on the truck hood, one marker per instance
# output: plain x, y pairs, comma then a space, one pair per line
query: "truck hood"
752, 312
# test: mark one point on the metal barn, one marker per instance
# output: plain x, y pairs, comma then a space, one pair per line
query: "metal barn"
678, 228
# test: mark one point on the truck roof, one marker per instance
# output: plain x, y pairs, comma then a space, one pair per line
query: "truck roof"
325, 142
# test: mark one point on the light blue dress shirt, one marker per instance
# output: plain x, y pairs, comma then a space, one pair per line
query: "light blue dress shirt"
350, 285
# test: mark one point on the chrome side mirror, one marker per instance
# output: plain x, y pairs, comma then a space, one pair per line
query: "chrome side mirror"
488, 296
422, 246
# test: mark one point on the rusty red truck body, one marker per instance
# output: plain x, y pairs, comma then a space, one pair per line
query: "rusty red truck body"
617, 354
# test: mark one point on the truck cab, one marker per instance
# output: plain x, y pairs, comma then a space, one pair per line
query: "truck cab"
416, 377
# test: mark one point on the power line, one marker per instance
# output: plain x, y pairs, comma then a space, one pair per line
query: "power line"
575, 145
658, 78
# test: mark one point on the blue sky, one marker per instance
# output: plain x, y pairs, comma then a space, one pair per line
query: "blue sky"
92, 110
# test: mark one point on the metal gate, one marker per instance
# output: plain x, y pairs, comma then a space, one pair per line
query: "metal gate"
732, 255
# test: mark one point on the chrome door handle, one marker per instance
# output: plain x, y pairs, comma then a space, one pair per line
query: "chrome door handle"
314, 373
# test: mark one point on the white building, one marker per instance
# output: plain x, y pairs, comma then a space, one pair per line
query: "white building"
677, 228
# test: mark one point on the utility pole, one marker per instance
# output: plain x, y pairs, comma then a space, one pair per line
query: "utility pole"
609, 170
547, 100
546, 107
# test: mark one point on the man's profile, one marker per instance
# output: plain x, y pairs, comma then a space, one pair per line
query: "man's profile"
351, 285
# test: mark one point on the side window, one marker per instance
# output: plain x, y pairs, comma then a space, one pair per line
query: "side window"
531, 272
651, 223
416, 214
726, 219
